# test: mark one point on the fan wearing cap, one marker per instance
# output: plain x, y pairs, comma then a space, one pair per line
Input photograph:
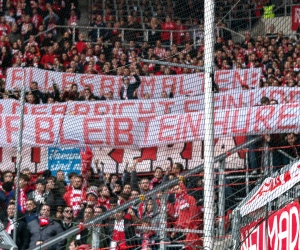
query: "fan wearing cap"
128, 90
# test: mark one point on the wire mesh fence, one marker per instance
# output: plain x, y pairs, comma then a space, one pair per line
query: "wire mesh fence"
146, 125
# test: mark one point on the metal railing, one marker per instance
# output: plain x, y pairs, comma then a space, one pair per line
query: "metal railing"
91, 223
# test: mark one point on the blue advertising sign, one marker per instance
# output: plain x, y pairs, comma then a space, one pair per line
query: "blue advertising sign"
65, 159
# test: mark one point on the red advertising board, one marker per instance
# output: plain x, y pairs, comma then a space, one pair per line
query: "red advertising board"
279, 232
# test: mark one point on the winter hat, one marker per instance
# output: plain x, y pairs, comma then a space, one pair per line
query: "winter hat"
92, 190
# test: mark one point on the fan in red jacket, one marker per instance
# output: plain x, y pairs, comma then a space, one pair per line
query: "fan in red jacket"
168, 25
77, 193
187, 215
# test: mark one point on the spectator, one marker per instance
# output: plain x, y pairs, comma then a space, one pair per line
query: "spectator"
128, 90
31, 212
75, 195
22, 236
44, 228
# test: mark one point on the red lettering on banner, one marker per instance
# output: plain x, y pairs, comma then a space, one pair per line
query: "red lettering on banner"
236, 116
119, 130
146, 120
97, 107
62, 138
216, 100
107, 83
293, 94
147, 81
223, 123
114, 109
252, 99
225, 80
277, 94
46, 81
165, 127
1, 108
123, 105
232, 101
59, 109
260, 117
290, 118
167, 83
15, 77
253, 78
9, 128
81, 109
66, 81
108, 131
87, 130
146, 111
83, 83
191, 102
39, 110
189, 125
30, 74
43, 130
179, 127
224, 102
238, 79
168, 105
181, 87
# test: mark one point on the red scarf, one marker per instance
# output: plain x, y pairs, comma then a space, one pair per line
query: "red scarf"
146, 241
154, 182
22, 200
44, 222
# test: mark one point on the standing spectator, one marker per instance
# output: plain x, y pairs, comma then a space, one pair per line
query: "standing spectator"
67, 222
96, 33
153, 33
31, 211
75, 195
38, 195
22, 239
167, 26
44, 228
128, 90
122, 232
186, 214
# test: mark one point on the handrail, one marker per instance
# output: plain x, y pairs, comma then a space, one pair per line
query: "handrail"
164, 186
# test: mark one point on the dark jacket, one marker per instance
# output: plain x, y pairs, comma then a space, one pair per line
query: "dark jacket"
131, 88
129, 231
44, 233
22, 232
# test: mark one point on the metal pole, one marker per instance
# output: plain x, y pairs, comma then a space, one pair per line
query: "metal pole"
171, 39
222, 198
247, 173
172, 64
163, 221
209, 36
95, 238
73, 35
19, 158
165, 186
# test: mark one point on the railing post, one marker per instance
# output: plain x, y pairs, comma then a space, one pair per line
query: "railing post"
221, 209
266, 159
95, 238
171, 39
98, 33
194, 38
163, 221
236, 229
73, 35
123, 33
147, 35
247, 172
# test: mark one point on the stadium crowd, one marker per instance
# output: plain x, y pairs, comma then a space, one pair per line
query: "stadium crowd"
47, 205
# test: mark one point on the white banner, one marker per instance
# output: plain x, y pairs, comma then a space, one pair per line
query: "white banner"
178, 105
272, 188
143, 131
187, 84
